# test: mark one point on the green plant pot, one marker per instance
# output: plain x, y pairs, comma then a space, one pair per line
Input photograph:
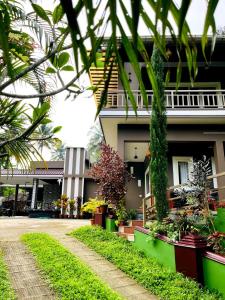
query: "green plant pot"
220, 220
111, 225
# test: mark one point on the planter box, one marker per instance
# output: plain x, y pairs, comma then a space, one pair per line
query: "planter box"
110, 225
214, 271
162, 250
38, 213
220, 220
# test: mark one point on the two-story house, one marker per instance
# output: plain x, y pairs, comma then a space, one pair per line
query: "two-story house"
195, 116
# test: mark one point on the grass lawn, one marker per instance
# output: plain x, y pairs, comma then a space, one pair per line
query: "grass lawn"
69, 277
154, 277
6, 291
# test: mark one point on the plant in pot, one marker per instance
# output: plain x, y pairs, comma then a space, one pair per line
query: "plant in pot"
121, 214
72, 203
57, 205
64, 204
91, 206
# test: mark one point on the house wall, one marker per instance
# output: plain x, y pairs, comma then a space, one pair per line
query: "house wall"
90, 188
135, 193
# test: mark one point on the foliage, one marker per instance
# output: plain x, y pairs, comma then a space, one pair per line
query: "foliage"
174, 229
111, 175
72, 203
91, 205
64, 201
216, 241
158, 142
7, 191
69, 276
131, 214
57, 203
6, 291
95, 140
197, 190
19, 131
221, 204
121, 212
58, 151
146, 271
51, 141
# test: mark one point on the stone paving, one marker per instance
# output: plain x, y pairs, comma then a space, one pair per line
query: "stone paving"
25, 277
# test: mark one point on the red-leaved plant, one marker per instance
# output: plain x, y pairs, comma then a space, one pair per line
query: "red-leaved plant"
111, 175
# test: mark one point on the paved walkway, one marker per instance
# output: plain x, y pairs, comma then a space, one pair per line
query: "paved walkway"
25, 277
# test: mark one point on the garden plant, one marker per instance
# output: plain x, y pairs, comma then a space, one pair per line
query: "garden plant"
6, 290
70, 278
157, 279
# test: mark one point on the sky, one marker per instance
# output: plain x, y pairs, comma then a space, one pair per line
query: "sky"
77, 116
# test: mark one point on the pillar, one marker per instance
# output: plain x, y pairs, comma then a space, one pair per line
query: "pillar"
73, 178
15, 200
34, 194
220, 167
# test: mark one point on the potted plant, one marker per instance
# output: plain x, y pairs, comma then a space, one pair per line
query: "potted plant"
121, 214
57, 206
71, 207
91, 206
64, 204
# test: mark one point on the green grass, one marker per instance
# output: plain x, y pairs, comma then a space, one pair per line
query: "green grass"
6, 291
154, 277
69, 277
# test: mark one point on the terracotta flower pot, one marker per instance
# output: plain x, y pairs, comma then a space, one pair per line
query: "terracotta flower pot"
103, 208
92, 221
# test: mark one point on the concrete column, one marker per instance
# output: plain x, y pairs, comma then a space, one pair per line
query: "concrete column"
34, 194
220, 166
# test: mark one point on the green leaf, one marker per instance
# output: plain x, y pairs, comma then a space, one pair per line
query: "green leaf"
41, 13
67, 68
63, 59
56, 129
57, 14
50, 70
209, 21
182, 14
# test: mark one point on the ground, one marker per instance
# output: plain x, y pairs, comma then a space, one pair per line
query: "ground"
12, 228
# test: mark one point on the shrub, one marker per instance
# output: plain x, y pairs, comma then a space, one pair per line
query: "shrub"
6, 291
157, 279
69, 277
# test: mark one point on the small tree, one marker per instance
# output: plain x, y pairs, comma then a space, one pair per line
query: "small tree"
158, 142
111, 175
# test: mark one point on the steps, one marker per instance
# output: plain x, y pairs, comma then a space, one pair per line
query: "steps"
127, 231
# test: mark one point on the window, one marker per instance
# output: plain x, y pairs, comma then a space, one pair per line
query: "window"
215, 184
181, 169
147, 183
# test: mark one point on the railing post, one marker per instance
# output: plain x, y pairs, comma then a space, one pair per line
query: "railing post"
172, 99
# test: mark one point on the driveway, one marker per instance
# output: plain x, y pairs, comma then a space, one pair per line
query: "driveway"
13, 227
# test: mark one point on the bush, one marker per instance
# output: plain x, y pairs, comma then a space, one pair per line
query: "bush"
157, 279
6, 291
70, 277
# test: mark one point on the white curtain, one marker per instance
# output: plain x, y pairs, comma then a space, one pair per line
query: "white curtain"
183, 172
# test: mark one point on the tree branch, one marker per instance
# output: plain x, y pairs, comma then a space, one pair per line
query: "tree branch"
47, 94
32, 67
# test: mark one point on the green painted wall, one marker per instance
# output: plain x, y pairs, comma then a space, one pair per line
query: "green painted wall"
110, 225
220, 220
214, 275
162, 251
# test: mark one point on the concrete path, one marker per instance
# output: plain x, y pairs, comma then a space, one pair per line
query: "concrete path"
25, 277
108, 272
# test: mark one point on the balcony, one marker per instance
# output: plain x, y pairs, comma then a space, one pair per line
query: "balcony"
181, 99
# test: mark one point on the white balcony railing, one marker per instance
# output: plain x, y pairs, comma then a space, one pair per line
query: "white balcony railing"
181, 99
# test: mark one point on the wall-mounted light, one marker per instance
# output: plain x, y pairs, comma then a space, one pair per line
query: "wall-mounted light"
59, 180
135, 153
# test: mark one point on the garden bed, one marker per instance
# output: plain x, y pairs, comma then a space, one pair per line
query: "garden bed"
146, 271
160, 249
70, 278
214, 271
6, 291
